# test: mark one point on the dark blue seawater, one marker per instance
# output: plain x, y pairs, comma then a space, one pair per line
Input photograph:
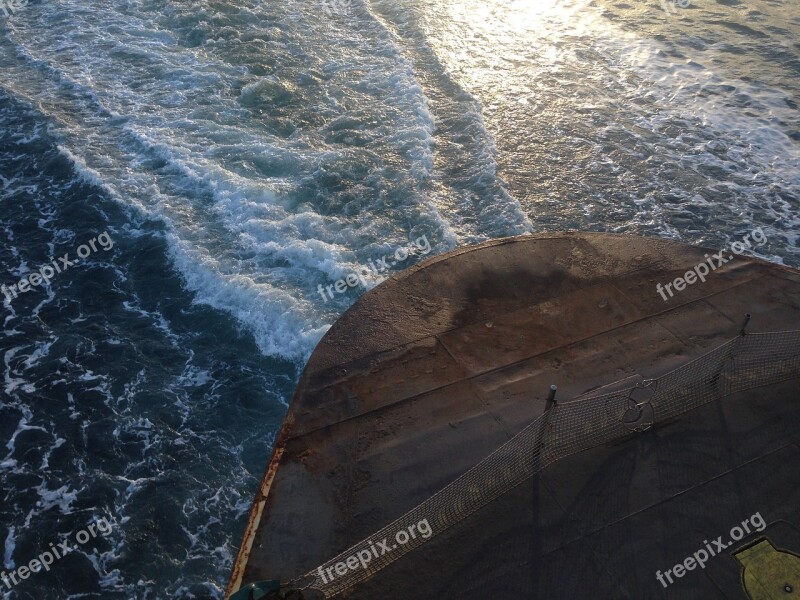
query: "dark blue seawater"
122, 398
240, 155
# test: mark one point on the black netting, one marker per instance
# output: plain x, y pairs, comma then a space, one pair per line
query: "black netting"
744, 363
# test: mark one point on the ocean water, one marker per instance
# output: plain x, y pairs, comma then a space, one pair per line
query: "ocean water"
240, 154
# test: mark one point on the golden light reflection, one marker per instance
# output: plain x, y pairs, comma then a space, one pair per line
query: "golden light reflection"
495, 47
513, 17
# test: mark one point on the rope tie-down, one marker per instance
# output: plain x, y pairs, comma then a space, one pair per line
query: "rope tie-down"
566, 428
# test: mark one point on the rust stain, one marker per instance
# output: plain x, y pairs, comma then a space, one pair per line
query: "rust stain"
406, 379
256, 513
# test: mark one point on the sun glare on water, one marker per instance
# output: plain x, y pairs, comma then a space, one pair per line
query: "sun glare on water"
492, 45
513, 17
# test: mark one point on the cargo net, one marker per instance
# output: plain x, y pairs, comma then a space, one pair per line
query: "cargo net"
744, 363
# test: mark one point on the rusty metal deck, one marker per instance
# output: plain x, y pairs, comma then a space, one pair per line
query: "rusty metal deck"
431, 371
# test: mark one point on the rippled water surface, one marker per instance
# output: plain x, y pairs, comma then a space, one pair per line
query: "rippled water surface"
240, 155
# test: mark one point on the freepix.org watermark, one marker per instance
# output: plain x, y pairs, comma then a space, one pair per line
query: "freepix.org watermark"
382, 265
713, 262
672, 7
46, 272
56, 552
702, 556
362, 559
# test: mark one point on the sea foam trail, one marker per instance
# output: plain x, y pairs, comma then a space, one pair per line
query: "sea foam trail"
635, 121
259, 211
121, 398
464, 182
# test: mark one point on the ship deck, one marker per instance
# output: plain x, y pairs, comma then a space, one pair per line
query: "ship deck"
438, 366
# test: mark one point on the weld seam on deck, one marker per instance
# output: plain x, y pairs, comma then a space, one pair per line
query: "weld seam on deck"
469, 379
592, 532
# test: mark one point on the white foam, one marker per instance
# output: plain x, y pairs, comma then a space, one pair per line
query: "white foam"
8, 548
62, 498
